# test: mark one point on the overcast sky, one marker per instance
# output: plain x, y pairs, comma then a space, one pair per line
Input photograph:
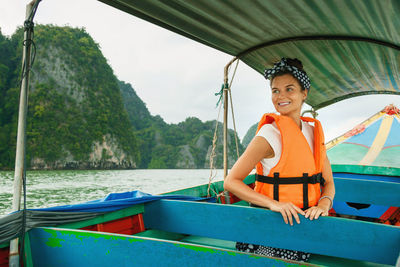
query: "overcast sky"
175, 76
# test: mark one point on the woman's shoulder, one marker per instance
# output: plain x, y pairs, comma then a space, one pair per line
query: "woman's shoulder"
268, 128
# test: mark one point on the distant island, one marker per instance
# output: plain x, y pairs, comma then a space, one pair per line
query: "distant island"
80, 116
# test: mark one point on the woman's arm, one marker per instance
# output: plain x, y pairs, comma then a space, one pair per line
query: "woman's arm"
327, 190
258, 149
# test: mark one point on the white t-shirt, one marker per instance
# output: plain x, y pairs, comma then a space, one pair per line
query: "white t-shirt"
271, 133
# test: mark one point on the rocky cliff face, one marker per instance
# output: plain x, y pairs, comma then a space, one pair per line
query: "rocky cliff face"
251, 132
76, 117
186, 145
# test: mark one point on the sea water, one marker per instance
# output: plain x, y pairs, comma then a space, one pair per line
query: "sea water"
54, 188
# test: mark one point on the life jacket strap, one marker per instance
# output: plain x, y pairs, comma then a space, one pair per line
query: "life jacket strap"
313, 179
304, 180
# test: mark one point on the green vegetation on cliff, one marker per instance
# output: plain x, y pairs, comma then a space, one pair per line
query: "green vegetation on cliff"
251, 132
184, 145
81, 116
75, 106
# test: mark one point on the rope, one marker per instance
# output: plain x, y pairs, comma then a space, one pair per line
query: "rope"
233, 114
28, 27
213, 172
215, 138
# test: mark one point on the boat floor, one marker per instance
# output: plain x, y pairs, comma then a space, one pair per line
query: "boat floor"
218, 243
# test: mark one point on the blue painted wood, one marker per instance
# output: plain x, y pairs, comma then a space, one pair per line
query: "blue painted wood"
367, 191
65, 247
373, 211
326, 236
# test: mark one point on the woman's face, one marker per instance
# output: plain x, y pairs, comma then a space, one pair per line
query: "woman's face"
287, 95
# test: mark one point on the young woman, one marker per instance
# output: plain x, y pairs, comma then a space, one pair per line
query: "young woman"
294, 175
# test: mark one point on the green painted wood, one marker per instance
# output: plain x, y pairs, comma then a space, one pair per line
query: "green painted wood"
3, 245
250, 179
65, 247
27, 252
161, 235
136, 209
330, 236
198, 191
202, 190
367, 191
361, 169
212, 242
242, 203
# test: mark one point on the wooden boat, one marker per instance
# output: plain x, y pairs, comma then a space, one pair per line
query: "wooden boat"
350, 48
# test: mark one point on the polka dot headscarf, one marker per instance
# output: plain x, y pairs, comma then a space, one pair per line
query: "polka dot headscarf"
283, 65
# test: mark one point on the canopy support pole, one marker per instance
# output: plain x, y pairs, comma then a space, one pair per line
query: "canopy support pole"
225, 95
21, 134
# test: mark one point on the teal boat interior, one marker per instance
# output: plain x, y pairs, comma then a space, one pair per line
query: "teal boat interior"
206, 233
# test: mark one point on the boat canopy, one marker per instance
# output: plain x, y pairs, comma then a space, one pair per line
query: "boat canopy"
348, 48
372, 147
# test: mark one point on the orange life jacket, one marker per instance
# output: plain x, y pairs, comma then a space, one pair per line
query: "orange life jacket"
297, 176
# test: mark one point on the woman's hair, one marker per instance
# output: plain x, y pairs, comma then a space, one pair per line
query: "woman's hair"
294, 62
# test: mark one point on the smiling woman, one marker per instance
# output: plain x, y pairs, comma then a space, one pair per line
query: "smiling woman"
289, 86
288, 96
294, 175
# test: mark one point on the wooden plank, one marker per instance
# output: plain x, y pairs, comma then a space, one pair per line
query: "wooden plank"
27, 252
136, 209
65, 247
364, 191
326, 236
367, 191
198, 191
369, 170
201, 190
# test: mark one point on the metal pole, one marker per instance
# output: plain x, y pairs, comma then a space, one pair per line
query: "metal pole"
21, 134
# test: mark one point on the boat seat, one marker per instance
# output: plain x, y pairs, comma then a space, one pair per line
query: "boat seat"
159, 234
200, 240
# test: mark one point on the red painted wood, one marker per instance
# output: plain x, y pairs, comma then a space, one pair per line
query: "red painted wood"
4, 256
391, 216
128, 225
233, 198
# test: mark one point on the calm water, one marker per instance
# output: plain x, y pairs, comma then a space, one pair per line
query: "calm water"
53, 188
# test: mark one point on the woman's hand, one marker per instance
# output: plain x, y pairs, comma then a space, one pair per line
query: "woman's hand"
288, 211
316, 211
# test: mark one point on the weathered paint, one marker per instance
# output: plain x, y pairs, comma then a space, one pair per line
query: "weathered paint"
112, 249
136, 209
330, 236
82, 235
196, 248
